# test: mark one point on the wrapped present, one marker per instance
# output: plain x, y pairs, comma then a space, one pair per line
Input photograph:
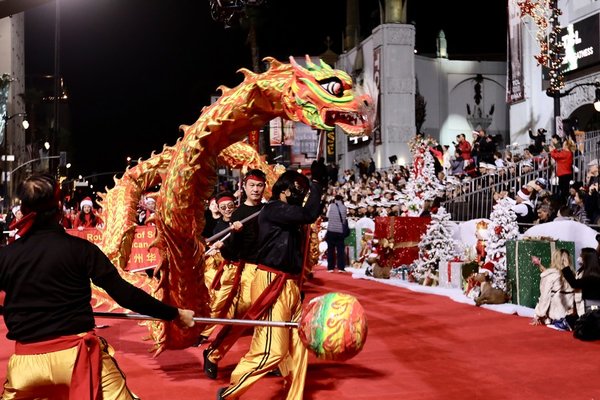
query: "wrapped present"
350, 243
451, 274
524, 277
399, 239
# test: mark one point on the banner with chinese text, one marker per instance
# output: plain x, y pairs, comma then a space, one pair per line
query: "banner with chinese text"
142, 257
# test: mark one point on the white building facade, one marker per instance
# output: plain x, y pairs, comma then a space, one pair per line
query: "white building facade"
448, 87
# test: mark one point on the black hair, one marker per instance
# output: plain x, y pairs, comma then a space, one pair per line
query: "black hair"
289, 180
591, 266
565, 211
255, 172
39, 193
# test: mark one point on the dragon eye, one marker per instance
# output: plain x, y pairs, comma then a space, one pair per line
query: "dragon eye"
333, 86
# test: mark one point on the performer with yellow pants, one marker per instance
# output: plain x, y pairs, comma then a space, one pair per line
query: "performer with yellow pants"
46, 276
275, 292
243, 239
224, 285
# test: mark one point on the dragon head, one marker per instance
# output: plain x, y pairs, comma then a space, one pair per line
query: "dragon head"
323, 97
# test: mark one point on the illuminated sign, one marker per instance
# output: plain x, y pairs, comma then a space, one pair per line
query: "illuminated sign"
581, 43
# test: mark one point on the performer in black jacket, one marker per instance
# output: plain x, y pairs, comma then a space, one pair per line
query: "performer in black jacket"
46, 275
275, 291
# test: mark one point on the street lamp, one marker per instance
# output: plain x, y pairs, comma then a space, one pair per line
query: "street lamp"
25, 125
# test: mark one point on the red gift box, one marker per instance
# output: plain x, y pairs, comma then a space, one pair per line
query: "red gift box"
399, 239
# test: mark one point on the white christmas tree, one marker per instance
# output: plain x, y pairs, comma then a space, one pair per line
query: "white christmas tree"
422, 184
436, 245
503, 227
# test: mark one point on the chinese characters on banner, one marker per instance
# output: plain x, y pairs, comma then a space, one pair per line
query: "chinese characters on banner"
377, 79
142, 257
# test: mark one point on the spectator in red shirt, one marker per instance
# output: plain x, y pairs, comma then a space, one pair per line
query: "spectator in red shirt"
464, 146
564, 167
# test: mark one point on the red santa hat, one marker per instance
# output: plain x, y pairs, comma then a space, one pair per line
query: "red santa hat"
86, 202
487, 267
524, 193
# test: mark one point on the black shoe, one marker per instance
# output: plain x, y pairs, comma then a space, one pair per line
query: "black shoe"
274, 372
220, 393
210, 368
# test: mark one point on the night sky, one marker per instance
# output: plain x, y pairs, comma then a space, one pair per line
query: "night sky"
137, 69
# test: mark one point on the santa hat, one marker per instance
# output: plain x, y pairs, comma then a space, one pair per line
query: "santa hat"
524, 193
488, 267
86, 202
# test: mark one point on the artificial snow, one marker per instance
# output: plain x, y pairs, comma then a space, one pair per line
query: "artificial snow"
454, 294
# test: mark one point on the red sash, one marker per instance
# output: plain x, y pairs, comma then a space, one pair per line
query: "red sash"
85, 381
258, 307
216, 283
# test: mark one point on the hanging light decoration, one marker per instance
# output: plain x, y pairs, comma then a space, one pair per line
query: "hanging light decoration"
544, 14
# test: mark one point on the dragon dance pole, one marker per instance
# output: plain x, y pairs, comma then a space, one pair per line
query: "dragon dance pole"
227, 230
218, 321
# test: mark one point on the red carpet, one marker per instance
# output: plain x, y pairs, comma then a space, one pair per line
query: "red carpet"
420, 346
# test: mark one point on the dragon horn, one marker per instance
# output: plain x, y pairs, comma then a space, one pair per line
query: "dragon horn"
311, 66
324, 65
293, 62
297, 66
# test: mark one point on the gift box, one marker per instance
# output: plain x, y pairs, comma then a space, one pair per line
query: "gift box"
399, 239
450, 274
350, 243
524, 277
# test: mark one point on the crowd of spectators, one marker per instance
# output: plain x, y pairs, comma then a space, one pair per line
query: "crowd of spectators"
538, 178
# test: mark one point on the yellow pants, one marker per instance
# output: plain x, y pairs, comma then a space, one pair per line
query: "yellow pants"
220, 295
272, 347
48, 376
245, 297
224, 342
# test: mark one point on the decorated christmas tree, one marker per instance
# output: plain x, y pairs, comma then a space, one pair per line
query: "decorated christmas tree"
422, 184
503, 227
436, 245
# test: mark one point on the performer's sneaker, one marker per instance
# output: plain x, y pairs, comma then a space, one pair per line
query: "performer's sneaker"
210, 368
275, 372
220, 393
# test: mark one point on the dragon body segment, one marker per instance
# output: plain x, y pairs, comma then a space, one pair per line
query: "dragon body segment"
316, 95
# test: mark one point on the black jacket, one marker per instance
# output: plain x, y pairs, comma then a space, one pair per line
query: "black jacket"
280, 238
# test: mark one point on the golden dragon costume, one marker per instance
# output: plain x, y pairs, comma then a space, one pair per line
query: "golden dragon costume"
316, 95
